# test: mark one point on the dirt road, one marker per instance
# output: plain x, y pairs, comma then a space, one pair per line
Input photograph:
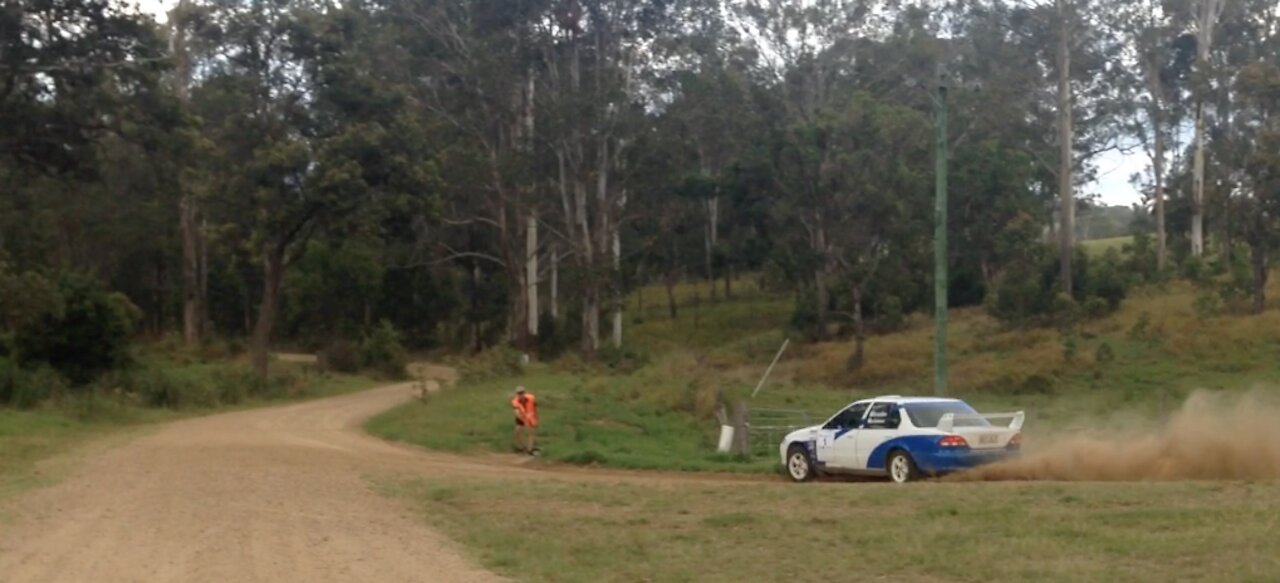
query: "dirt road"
275, 494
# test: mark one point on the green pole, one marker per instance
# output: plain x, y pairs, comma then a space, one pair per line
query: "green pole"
940, 249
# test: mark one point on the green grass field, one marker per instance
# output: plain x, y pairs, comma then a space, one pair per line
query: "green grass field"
1100, 246
598, 532
1133, 368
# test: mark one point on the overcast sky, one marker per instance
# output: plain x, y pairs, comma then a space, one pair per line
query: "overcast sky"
1114, 168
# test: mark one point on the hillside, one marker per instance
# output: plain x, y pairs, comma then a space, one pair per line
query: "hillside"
655, 409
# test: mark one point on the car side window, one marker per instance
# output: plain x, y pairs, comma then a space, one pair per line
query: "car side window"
850, 417
884, 416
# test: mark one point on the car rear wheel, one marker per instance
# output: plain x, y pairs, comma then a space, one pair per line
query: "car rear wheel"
799, 465
901, 467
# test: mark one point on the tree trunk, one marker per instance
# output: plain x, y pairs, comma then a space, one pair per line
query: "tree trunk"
1066, 193
1259, 260
617, 299
670, 282
477, 344
820, 288
206, 323
1206, 19
728, 282
859, 328
1156, 115
260, 345
192, 292
709, 238
1197, 181
1157, 166
555, 283
590, 322
191, 310
531, 276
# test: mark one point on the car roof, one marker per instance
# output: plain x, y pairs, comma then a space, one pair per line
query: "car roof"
901, 400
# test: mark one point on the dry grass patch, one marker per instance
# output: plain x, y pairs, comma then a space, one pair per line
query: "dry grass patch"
669, 531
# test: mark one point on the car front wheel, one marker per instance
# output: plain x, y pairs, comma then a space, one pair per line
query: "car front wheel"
901, 467
799, 466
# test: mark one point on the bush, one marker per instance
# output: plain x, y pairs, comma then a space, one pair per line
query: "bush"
553, 338
623, 359
162, 386
1108, 281
1104, 353
1207, 304
1095, 308
341, 356
1066, 312
497, 362
889, 316
1142, 261
804, 318
1195, 270
87, 337
1070, 348
383, 352
23, 388
1029, 292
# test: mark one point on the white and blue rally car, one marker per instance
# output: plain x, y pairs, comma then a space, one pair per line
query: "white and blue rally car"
904, 438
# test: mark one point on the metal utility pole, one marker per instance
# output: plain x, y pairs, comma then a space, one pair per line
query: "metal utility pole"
940, 242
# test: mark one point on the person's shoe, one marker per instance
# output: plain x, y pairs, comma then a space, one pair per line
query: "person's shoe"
535, 452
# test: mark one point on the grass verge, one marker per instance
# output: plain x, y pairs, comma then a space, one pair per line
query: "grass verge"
602, 532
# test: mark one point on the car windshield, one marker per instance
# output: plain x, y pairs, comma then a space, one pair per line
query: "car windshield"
929, 413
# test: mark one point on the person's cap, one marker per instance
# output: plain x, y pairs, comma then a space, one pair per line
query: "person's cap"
519, 390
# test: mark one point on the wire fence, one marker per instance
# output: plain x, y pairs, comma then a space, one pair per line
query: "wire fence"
767, 427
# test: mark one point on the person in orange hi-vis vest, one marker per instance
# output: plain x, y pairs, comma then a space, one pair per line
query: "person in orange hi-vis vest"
525, 406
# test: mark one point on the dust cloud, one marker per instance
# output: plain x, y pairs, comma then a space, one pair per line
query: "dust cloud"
1213, 436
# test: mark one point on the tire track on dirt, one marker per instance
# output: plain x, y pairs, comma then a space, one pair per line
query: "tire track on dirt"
273, 494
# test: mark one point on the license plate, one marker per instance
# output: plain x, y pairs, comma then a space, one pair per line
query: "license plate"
988, 439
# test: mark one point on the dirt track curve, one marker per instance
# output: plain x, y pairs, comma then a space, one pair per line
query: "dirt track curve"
274, 494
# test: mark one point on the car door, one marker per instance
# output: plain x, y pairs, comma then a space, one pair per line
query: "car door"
836, 447
881, 425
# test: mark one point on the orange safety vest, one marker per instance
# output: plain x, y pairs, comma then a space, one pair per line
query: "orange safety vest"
526, 407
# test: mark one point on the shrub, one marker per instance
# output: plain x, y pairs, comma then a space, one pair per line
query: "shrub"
1195, 270
25, 388
804, 318
1065, 312
623, 359
553, 338
383, 352
1104, 353
1070, 348
1029, 292
1095, 308
341, 356
889, 316
162, 386
1207, 304
86, 338
1108, 281
499, 361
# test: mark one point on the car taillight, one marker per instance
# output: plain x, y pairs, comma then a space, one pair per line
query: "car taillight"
1015, 441
952, 441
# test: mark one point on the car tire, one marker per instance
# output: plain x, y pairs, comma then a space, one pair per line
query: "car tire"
901, 467
800, 464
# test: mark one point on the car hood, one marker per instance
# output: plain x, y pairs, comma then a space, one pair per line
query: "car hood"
803, 434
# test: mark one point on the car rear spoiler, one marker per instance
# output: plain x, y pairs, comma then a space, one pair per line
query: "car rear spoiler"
948, 421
